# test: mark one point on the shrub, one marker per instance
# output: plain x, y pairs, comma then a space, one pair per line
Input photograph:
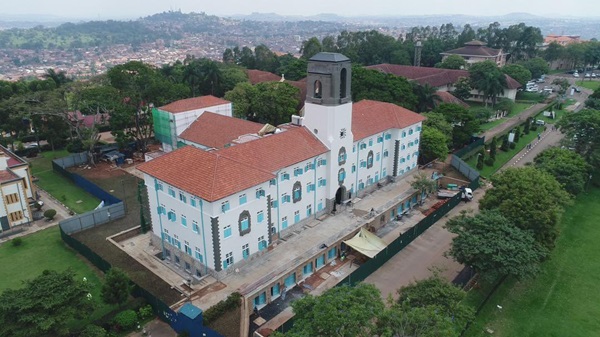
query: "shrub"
16, 242
145, 312
513, 145
217, 310
505, 144
93, 331
50, 214
126, 320
517, 134
489, 161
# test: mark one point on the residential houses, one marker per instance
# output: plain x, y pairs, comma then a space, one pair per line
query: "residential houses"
16, 190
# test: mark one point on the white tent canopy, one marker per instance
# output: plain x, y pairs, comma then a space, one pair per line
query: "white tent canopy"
366, 243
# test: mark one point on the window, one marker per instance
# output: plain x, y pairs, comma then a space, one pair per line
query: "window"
193, 202
298, 171
410, 131
297, 192
308, 167
284, 222
195, 227
363, 146
370, 159
161, 209
274, 203
377, 156
188, 250
418, 128
176, 242
307, 269
244, 224
242, 199
177, 260
403, 134
343, 79
371, 142
322, 182
361, 185
260, 193
260, 216
318, 93
416, 141
332, 253
310, 187
275, 290
290, 280
403, 147
262, 243
187, 267
272, 182
388, 136
341, 175
379, 139
285, 176
158, 186
199, 256
172, 192
285, 198
402, 160
369, 181
224, 206
363, 163
410, 144
296, 217
227, 231
353, 148
308, 210
320, 205
322, 162
172, 216
386, 154
320, 261
342, 156
228, 260
383, 173
15, 216
183, 221
342, 133
245, 251
353, 168
182, 197
11, 198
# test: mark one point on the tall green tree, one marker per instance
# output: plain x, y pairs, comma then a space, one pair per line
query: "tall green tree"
453, 62
494, 246
242, 96
518, 72
487, 78
531, 199
439, 122
581, 131
375, 85
434, 144
462, 88
537, 66
464, 121
427, 97
45, 305
275, 103
568, 167
116, 287
404, 320
310, 48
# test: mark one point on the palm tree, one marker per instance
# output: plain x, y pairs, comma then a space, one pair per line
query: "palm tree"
493, 84
428, 98
59, 78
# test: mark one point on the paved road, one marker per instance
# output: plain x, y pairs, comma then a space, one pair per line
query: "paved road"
511, 122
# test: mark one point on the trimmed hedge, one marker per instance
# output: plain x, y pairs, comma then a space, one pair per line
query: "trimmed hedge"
232, 301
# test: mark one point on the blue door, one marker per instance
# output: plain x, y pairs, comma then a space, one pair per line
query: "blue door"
290, 281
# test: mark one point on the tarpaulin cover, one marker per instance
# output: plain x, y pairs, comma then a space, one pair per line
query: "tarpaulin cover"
366, 243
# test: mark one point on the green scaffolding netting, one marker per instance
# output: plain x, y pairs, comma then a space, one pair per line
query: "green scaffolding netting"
162, 126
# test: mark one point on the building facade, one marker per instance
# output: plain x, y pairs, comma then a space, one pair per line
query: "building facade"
16, 190
477, 51
214, 209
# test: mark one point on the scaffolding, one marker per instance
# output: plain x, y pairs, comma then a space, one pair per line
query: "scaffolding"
162, 126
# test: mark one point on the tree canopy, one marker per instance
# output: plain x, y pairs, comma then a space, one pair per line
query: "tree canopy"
375, 85
581, 131
44, 306
530, 198
453, 62
116, 287
433, 145
537, 66
518, 72
465, 123
568, 167
494, 246
487, 78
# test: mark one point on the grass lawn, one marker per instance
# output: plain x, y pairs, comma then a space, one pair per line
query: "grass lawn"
46, 250
517, 109
593, 85
561, 301
530, 97
503, 157
60, 187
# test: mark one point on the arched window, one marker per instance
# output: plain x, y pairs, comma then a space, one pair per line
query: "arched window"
343, 76
342, 156
318, 89
370, 159
297, 192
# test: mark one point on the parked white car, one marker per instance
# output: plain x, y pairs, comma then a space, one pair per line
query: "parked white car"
575, 74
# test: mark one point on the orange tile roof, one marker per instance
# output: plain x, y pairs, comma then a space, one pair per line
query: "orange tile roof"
214, 130
6, 175
209, 175
277, 151
447, 97
372, 117
193, 104
257, 76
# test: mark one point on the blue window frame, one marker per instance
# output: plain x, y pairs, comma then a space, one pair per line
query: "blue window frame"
310, 187
322, 182
377, 156
284, 222
403, 134
193, 202
184, 221
199, 256
262, 243
260, 193
332, 253
225, 206
361, 186
379, 139
275, 290
363, 146
298, 172
290, 281
370, 161
386, 154
285, 176
319, 206
403, 147
297, 193
353, 168
172, 216
227, 231
341, 175
308, 210
410, 131
172, 192
416, 141
418, 128
260, 216
195, 227
272, 182
377, 177
182, 198
296, 217
274, 203
158, 186
388, 136
245, 251
384, 173
371, 142
244, 224
320, 261
243, 199
307, 269
161, 210
285, 198
363, 163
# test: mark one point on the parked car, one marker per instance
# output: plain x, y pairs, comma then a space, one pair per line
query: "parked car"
575, 74
540, 122
577, 89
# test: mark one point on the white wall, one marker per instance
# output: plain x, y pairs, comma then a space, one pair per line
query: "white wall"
184, 119
21, 205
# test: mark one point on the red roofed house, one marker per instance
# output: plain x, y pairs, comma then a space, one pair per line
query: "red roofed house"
230, 196
442, 79
477, 51
172, 119
17, 190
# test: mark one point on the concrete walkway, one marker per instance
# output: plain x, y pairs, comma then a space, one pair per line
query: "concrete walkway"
511, 122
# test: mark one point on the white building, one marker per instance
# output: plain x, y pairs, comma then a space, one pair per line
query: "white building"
213, 209
16, 189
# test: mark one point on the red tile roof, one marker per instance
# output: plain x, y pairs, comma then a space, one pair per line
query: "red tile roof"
447, 97
6, 175
435, 77
277, 151
474, 48
372, 117
209, 175
214, 130
258, 76
13, 160
193, 104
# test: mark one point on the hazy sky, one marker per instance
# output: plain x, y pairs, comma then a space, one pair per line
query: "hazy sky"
136, 8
